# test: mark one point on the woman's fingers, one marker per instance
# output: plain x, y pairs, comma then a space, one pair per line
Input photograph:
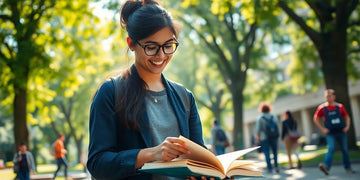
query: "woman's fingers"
177, 144
172, 147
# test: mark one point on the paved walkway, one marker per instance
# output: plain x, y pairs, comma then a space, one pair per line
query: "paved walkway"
313, 173
307, 172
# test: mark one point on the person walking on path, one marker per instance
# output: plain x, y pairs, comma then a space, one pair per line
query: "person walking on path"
60, 153
335, 125
24, 163
267, 134
219, 139
290, 141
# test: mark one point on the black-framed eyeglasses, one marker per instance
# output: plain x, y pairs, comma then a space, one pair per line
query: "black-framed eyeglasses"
153, 49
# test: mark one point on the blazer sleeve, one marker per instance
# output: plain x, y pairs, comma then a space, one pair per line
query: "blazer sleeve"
105, 160
195, 128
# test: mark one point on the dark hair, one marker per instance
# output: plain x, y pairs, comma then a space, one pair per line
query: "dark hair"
332, 91
265, 107
216, 122
130, 99
22, 144
144, 18
288, 113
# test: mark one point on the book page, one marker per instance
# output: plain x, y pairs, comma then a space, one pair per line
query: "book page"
242, 164
199, 153
228, 158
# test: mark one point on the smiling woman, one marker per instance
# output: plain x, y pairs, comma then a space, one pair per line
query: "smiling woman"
138, 116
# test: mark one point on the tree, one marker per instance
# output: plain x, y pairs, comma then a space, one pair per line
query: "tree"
34, 35
329, 35
21, 53
228, 29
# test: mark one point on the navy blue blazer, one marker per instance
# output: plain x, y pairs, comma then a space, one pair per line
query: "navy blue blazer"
113, 148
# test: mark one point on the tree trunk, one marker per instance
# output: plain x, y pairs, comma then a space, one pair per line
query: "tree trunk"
78, 143
334, 67
236, 88
238, 119
21, 132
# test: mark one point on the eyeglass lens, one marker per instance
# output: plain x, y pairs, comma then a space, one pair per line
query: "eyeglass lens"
153, 49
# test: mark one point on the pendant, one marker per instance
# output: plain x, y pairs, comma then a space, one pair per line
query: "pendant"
155, 100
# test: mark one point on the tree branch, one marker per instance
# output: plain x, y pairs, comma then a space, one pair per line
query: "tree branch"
354, 23
314, 36
351, 51
5, 17
352, 6
214, 44
250, 38
2, 56
207, 87
230, 24
322, 10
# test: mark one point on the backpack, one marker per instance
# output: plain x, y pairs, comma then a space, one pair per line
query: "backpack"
16, 166
220, 135
333, 120
52, 151
271, 128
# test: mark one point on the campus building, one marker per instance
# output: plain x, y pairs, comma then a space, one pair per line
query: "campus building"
303, 108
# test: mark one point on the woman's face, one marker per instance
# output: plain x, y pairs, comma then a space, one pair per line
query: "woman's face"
285, 116
157, 63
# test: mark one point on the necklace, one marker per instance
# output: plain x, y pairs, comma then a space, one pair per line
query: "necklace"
153, 98
156, 96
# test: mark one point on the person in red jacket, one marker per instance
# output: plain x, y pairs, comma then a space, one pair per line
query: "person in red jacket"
335, 125
60, 153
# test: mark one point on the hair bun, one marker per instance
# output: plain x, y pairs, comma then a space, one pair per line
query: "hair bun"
150, 2
130, 6
127, 9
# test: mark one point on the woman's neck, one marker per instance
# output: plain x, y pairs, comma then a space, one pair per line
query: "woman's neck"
153, 81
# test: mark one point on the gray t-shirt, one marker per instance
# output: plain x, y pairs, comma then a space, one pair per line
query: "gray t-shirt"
162, 119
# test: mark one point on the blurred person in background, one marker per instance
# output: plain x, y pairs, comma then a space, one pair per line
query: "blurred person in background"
289, 137
24, 163
335, 125
60, 153
267, 135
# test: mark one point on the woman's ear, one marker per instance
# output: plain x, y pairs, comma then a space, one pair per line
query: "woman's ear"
129, 42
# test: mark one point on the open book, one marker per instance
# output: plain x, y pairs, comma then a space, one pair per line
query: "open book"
202, 162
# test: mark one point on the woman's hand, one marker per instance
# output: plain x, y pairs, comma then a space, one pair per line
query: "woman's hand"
169, 149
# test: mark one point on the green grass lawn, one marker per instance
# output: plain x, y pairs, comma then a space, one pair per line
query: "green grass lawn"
41, 169
314, 157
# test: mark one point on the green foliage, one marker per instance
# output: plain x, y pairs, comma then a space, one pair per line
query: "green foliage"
62, 62
354, 45
305, 65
